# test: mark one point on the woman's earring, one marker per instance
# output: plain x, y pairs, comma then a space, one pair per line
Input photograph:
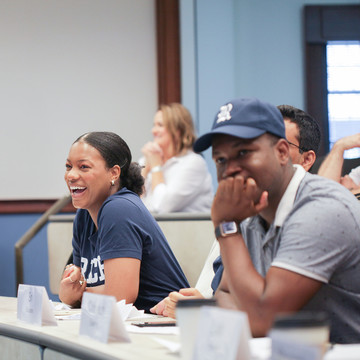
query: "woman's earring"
112, 182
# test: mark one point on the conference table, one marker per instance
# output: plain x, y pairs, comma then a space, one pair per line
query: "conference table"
19, 340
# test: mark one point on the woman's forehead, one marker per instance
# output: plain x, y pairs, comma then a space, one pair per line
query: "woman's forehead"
83, 149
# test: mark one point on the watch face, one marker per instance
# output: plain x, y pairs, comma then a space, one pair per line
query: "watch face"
229, 227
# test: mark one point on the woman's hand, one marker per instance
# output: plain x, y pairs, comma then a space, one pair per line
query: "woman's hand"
72, 286
153, 154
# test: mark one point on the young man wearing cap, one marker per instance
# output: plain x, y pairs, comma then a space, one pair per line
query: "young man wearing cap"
303, 135
288, 239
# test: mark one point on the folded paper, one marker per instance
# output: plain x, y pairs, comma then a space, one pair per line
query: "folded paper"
101, 320
222, 334
33, 305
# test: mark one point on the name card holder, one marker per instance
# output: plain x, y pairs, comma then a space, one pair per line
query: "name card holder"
289, 349
222, 334
300, 336
33, 306
101, 320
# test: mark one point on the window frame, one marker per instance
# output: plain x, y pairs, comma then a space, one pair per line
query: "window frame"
325, 23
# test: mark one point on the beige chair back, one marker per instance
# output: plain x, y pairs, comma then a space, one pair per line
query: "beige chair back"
190, 237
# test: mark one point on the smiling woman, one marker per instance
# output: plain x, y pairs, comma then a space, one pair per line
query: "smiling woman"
118, 248
176, 179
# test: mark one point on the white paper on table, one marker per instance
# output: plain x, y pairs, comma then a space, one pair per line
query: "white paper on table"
124, 309
129, 311
101, 320
74, 316
343, 352
222, 334
59, 306
260, 348
33, 306
65, 312
135, 313
172, 346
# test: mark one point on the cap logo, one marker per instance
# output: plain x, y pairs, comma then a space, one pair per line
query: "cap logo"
224, 113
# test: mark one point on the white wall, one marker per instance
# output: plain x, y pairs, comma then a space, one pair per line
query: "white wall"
68, 67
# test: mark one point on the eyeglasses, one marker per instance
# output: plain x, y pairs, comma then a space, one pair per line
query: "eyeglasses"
301, 150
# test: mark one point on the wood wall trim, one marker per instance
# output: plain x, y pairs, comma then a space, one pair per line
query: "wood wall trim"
30, 206
331, 23
168, 51
316, 91
169, 89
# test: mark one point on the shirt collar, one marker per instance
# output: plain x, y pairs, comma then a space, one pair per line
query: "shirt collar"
287, 200
176, 158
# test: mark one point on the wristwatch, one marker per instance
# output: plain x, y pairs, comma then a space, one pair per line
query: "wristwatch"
155, 169
226, 229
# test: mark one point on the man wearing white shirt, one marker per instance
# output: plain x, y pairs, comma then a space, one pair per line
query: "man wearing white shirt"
332, 165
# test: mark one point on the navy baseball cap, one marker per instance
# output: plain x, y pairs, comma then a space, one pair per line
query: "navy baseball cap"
245, 118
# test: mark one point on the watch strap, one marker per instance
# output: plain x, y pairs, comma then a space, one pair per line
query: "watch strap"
217, 232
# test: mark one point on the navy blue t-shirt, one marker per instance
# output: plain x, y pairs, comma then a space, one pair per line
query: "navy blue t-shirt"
127, 229
218, 271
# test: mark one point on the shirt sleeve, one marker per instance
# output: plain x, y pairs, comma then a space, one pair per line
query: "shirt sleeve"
206, 276
355, 175
313, 243
183, 185
119, 236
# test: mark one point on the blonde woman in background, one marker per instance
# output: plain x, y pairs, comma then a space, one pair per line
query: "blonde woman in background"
176, 178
